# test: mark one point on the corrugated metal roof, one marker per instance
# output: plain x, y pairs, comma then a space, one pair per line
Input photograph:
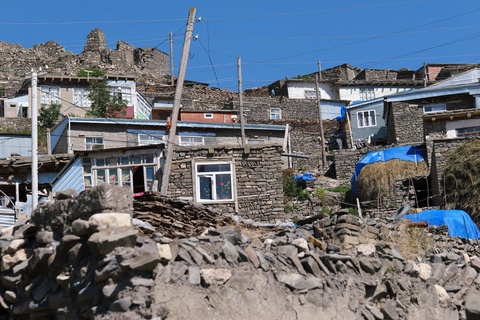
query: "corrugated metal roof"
434, 92
181, 124
71, 177
364, 103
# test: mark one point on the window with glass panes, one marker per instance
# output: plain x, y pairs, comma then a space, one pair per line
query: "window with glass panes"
214, 181
191, 141
49, 95
93, 143
275, 113
80, 98
146, 139
468, 132
135, 171
366, 118
123, 93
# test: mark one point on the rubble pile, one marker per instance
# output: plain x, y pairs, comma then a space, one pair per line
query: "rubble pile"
176, 219
81, 257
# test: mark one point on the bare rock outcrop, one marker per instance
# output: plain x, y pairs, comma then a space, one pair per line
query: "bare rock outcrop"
125, 59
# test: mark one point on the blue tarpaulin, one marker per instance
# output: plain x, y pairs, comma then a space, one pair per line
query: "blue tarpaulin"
459, 222
343, 111
405, 153
304, 177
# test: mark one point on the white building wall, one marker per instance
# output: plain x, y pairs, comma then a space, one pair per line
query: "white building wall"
453, 125
297, 90
354, 93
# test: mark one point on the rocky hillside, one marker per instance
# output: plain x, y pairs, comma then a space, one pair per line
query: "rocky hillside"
144, 63
84, 257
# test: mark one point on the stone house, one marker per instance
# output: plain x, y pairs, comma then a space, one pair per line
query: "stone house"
72, 94
441, 117
237, 179
97, 133
241, 179
448, 109
348, 84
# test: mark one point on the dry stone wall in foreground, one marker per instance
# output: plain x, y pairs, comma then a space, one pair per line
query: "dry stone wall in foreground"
82, 257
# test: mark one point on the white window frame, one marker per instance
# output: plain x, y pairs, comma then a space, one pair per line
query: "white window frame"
191, 141
275, 113
434, 108
95, 142
49, 95
208, 115
310, 94
367, 93
117, 169
213, 181
364, 118
125, 94
152, 139
80, 98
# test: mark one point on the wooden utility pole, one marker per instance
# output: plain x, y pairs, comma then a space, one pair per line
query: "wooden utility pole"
171, 58
322, 136
176, 102
240, 98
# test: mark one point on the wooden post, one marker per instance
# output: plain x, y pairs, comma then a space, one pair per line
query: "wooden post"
177, 101
171, 59
359, 208
240, 98
317, 77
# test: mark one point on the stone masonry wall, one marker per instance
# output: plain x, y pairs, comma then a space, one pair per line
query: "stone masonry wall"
407, 122
14, 125
257, 176
441, 149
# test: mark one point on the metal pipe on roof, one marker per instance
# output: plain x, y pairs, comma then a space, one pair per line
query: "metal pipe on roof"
293, 155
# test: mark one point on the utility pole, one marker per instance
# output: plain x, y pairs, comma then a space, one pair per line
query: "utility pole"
177, 101
171, 58
317, 77
34, 140
240, 98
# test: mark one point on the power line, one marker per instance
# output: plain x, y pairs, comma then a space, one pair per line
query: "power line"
317, 11
224, 18
376, 37
345, 37
87, 22
211, 63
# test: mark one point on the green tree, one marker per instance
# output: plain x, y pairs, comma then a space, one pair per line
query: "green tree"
104, 104
48, 116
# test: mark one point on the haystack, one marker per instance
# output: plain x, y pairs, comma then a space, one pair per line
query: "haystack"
377, 180
462, 179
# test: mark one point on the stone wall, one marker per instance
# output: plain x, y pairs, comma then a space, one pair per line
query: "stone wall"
407, 124
257, 178
15, 125
441, 149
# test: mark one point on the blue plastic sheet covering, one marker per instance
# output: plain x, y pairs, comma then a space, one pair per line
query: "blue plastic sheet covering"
304, 177
406, 153
343, 111
459, 222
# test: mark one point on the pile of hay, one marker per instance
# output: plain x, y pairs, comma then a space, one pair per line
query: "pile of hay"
377, 180
462, 179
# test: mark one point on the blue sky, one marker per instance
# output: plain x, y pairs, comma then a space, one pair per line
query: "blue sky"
275, 39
